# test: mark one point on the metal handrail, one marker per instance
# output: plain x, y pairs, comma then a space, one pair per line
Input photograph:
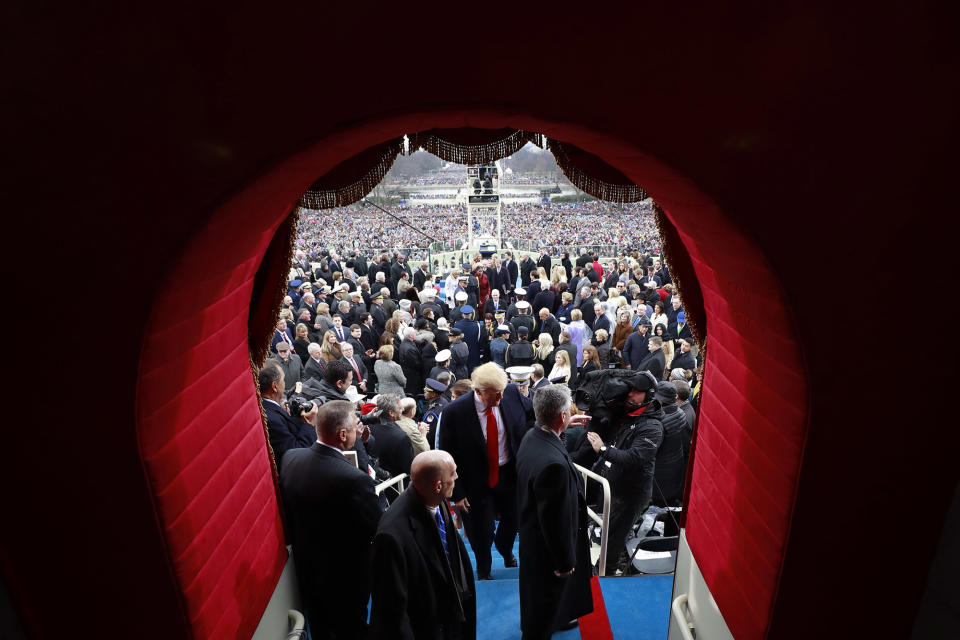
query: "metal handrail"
386, 484
676, 609
298, 623
603, 521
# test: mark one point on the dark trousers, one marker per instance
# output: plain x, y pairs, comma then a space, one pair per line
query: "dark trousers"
480, 521
624, 512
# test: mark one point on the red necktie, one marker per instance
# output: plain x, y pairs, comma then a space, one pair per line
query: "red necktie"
356, 370
493, 448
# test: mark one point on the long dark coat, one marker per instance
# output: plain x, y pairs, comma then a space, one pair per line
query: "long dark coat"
330, 505
553, 536
417, 592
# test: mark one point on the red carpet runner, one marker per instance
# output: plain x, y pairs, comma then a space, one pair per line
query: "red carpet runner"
596, 626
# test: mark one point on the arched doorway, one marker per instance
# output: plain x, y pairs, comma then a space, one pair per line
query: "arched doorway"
206, 459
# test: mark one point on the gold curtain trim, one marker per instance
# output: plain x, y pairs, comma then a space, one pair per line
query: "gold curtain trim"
593, 186
470, 154
316, 197
666, 246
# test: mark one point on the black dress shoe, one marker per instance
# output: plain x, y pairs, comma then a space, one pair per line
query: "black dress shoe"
485, 577
510, 562
570, 625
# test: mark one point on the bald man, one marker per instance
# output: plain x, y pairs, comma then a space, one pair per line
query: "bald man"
422, 580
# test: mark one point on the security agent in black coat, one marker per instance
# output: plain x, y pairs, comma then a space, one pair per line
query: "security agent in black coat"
461, 433
625, 454
670, 469
285, 431
423, 589
332, 515
555, 571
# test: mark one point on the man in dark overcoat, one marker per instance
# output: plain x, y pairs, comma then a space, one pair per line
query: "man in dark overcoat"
332, 515
554, 549
422, 580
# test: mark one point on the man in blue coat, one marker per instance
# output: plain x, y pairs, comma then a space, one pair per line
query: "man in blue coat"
473, 335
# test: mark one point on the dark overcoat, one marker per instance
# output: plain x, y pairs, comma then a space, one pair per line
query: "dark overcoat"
417, 591
332, 514
553, 536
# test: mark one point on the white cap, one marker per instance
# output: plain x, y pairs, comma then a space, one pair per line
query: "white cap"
520, 375
520, 291
442, 356
461, 295
522, 304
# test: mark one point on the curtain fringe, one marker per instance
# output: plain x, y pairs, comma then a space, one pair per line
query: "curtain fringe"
261, 337
593, 186
317, 197
667, 236
471, 154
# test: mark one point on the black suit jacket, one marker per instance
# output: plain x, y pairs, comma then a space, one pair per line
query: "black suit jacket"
286, 432
418, 591
553, 536
684, 361
419, 277
357, 360
332, 516
393, 447
680, 333
546, 263
312, 370
508, 275
654, 363
543, 382
603, 322
461, 434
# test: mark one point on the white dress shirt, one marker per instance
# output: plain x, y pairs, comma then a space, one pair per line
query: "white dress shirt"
504, 451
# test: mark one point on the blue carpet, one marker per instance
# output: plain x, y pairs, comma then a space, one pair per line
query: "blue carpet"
638, 608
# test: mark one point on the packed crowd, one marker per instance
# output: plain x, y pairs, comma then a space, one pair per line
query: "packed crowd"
525, 178
396, 370
630, 226
457, 175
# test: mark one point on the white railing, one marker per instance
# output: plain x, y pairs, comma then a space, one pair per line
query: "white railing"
297, 622
687, 629
386, 484
603, 521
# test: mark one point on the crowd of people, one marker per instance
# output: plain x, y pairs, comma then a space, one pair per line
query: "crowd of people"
465, 381
629, 226
455, 175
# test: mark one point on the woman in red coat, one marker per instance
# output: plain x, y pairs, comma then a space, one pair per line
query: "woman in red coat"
483, 290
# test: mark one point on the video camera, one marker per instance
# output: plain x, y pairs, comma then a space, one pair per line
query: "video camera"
299, 406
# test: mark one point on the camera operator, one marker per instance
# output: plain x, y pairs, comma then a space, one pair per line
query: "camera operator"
626, 455
286, 431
